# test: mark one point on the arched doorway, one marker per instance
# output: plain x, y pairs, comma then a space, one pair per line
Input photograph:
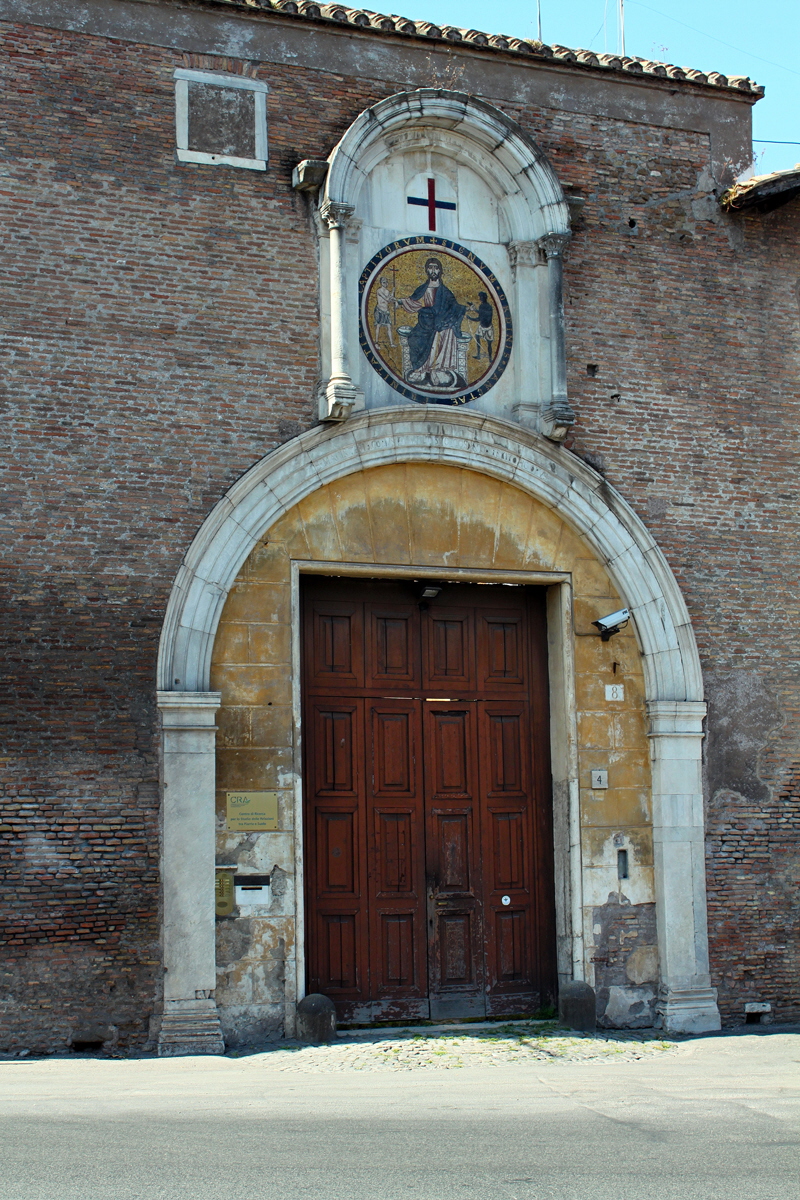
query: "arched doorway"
502, 470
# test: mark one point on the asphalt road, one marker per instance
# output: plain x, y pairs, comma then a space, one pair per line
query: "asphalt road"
716, 1120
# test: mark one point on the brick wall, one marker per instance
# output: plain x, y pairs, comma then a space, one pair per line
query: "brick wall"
161, 330
693, 417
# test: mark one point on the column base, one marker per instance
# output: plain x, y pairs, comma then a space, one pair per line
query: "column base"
190, 1027
689, 1010
338, 399
557, 420
527, 413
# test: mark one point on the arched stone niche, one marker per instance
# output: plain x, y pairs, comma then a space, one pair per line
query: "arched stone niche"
505, 205
472, 498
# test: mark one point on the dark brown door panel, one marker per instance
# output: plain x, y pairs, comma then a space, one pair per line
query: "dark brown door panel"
393, 657
427, 800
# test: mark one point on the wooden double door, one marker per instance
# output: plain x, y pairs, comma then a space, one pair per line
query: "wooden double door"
429, 877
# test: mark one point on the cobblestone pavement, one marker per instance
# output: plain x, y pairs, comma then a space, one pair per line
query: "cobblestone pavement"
415, 1049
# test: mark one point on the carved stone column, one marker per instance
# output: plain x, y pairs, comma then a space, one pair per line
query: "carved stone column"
687, 1002
557, 416
532, 338
340, 394
190, 1023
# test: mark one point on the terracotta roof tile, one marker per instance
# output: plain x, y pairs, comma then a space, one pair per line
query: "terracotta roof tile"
764, 192
581, 59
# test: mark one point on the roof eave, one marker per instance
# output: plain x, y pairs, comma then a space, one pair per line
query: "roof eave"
765, 194
366, 21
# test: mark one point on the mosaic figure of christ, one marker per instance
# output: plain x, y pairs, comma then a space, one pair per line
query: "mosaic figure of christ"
432, 341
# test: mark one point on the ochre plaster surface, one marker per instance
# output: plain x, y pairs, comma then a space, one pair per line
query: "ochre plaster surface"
418, 515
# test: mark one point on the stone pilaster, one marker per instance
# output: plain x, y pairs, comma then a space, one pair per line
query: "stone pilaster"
687, 1002
190, 1024
557, 415
531, 337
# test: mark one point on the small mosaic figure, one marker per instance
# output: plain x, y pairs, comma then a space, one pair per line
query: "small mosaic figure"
483, 313
384, 302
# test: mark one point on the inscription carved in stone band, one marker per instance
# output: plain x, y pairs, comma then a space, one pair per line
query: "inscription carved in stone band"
434, 321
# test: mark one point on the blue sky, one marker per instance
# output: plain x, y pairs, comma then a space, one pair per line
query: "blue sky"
735, 37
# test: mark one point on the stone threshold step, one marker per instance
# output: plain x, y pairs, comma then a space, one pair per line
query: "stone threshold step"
425, 1027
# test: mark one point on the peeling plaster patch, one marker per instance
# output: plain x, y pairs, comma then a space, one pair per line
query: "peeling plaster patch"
279, 883
629, 1008
252, 954
690, 207
741, 716
626, 963
241, 850
704, 208
257, 851
734, 231
642, 964
600, 851
249, 1025
233, 940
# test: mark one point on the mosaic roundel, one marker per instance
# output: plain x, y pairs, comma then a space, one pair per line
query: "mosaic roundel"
434, 321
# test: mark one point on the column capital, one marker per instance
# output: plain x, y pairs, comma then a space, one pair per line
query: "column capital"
553, 244
524, 254
335, 214
676, 718
188, 710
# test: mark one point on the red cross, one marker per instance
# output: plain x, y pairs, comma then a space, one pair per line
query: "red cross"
431, 203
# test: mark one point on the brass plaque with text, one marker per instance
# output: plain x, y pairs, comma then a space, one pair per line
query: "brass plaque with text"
252, 812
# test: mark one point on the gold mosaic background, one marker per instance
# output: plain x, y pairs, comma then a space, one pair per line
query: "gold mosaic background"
404, 274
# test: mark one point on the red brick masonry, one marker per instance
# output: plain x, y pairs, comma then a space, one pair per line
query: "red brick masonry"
160, 335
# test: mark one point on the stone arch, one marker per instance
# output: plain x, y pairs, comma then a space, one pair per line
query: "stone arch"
535, 204
411, 434
532, 228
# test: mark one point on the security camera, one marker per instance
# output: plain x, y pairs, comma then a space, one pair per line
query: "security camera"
612, 624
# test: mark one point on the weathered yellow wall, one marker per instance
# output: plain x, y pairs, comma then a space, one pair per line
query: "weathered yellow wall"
420, 515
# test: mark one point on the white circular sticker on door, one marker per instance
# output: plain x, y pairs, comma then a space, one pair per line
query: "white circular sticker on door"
506, 899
